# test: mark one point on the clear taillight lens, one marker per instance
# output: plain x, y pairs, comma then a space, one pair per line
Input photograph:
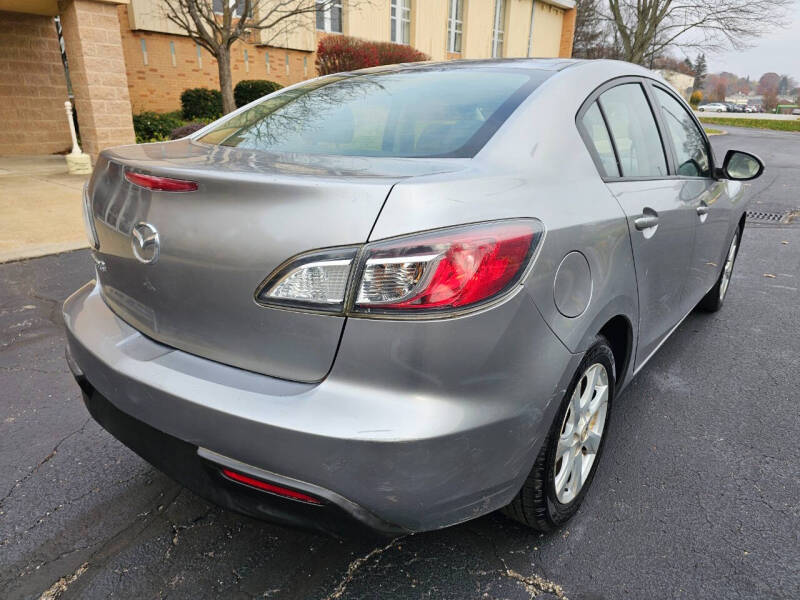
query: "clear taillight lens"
445, 270
88, 219
316, 280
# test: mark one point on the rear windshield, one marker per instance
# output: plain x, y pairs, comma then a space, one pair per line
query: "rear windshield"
413, 113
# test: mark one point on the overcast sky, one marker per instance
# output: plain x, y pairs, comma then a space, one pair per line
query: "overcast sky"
778, 52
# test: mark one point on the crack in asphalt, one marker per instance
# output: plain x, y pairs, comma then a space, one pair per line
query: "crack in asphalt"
69, 501
356, 565
60, 586
46, 459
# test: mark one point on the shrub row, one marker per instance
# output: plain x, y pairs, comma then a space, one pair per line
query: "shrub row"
199, 106
337, 53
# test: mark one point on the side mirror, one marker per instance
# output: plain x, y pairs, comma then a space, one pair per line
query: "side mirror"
740, 166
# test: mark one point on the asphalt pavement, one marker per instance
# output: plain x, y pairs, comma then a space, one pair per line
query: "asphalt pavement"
697, 496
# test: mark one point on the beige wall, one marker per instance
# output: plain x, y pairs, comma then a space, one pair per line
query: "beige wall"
429, 27
367, 21
478, 18
547, 30
32, 87
518, 27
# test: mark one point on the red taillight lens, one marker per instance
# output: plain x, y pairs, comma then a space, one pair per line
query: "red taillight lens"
160, 184
269, 487
449, 269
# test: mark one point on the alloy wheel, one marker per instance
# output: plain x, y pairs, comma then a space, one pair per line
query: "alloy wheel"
581, 433
727, 270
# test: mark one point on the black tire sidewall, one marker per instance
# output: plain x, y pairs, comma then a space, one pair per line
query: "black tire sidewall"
558, 513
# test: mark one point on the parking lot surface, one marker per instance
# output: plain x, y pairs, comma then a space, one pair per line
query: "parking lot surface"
697, 496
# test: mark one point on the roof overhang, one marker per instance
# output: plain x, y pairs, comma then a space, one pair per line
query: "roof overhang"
46, 8
565, 4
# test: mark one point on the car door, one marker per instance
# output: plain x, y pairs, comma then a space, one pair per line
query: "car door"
620, 127
708, 197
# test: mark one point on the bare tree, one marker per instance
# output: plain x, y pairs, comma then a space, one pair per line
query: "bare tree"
647, 28
217, 24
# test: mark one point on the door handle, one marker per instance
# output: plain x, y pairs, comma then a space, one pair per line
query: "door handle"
702, 210
646, 221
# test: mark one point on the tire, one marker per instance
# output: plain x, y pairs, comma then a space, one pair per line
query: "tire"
539, 504
715, 297
701, 109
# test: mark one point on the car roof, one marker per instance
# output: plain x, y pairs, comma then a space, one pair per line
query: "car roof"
533, 64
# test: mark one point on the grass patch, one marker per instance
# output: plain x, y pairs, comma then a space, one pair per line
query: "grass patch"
712, 131
787, 125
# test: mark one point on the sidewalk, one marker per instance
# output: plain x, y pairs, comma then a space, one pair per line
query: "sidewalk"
40, 207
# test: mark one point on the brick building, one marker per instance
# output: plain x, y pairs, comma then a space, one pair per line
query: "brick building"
125, 57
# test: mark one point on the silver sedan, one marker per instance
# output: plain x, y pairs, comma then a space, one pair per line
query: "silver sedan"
400, 298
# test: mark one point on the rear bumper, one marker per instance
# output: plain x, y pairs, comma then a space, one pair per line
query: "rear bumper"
389, 448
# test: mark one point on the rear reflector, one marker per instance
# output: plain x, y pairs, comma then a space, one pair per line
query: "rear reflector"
160, 184
269, 487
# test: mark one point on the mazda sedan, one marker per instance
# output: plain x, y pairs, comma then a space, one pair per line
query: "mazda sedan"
398, 299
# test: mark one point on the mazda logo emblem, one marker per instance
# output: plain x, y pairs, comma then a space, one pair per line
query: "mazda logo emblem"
145, 243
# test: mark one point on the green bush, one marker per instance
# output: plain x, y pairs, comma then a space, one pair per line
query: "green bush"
155, 127
185, 130
248, 90
201, 103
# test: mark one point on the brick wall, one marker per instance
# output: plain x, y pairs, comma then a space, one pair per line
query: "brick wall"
157, 85
97, 71
32, 87
567, 33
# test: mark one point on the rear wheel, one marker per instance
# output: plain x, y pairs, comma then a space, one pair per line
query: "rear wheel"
714, 299
568, 459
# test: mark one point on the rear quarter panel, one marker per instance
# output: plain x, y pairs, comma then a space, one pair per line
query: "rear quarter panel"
538, 166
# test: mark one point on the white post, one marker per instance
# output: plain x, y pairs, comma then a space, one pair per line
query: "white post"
75, 148
78, 163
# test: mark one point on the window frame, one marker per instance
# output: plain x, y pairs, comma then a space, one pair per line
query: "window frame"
455, 26
653, 85
327, 15
499, 26
654, 110
401, 15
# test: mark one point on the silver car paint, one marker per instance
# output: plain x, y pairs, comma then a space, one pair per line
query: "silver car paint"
422, 423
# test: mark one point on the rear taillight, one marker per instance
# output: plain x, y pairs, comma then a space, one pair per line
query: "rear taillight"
445, 270
265, 486
428, 273
160, 184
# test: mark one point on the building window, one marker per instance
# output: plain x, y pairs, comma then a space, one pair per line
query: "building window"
455, 25
287, 63
246, 61
305, 66
172, 54
329, 16
401, 21
498, 31
266, 60
144, 52
237, 9
199, 56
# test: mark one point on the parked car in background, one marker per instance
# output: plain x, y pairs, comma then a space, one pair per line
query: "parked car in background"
713, 107
750, 108
796, 111
404, 297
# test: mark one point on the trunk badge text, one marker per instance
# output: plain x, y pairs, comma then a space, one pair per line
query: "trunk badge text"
145, 243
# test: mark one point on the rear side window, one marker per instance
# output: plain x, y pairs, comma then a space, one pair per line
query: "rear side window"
690, 145
633, 128
595, 131
414, 113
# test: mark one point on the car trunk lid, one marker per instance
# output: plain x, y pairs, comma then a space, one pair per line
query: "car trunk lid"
251, 212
